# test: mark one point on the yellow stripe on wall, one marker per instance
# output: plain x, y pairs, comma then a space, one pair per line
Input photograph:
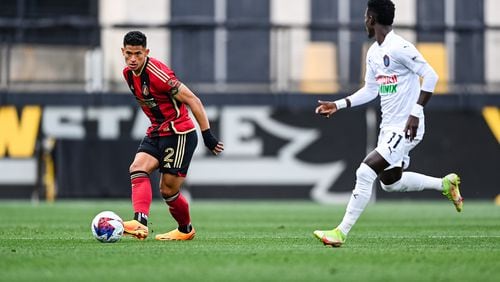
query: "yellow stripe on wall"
492, 117
319, 74
436, 55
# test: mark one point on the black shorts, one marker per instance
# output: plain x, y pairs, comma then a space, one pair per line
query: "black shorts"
174, 152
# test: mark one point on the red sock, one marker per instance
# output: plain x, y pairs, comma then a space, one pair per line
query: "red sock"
142, 196
179, 209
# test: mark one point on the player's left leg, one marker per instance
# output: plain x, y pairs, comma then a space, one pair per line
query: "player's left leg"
178, 207
179, 150
411, 182
394, 180
451, 190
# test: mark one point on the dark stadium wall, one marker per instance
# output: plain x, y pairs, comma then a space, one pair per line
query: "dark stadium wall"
247, 33
431, 19
248, 41
469, 53
322, 12
276, 147
192, 50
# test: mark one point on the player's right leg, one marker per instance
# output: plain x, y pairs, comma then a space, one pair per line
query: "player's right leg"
334, 238
141, 201
144, 163
374, 163
136, 229
365, 176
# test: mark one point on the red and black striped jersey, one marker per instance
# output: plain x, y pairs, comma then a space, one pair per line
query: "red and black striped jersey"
154, 89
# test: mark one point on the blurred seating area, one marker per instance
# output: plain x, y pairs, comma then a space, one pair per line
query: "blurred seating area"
239, 46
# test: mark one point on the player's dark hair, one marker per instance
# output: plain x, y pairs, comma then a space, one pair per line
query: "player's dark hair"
135, 38
383, 11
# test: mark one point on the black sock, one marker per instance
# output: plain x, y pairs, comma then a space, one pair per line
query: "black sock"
141, 217
185, 228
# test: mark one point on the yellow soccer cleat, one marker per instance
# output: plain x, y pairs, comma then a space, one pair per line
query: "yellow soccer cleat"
451, 190
334, 238
136, 229
176, 235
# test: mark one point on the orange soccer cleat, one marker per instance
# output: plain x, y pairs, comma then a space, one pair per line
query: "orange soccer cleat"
136, 229
175, 235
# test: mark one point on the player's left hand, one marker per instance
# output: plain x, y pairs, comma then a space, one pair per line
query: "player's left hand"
214, 145
218, 149
411, 127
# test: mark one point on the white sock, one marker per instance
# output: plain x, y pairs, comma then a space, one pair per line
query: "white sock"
365, 176
411, 181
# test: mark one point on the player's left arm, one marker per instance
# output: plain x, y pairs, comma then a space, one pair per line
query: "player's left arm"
413, 60
186, 96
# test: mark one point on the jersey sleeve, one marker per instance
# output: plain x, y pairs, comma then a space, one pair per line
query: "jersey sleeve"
370, 90
410, 57
165, 78
370, 75
173, 85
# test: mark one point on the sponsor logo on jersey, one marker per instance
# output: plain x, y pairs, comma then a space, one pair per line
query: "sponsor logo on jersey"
148, 102
388, 84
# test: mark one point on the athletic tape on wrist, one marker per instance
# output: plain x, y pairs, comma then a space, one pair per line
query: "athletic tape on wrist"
341, 104
417, 110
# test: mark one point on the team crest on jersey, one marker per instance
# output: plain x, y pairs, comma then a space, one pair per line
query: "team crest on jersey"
386, 60
145, 90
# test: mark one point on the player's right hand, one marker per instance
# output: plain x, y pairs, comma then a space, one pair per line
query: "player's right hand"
326, 108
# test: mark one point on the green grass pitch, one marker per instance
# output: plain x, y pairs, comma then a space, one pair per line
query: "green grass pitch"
254, 241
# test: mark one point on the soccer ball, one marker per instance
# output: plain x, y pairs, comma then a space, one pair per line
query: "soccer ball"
107, 227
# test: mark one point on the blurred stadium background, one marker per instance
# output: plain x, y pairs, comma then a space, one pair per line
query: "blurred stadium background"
69, 127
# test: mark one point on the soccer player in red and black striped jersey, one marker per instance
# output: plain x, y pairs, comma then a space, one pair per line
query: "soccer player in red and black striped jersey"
170, 140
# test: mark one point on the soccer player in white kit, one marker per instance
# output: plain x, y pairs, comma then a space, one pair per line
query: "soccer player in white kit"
393, 70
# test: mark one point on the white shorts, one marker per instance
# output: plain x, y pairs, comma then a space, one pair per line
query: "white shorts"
395, 148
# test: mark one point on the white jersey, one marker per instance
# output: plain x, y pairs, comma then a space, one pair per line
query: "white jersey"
395, 66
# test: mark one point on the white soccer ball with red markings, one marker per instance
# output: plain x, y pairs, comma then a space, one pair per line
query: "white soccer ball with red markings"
107, 227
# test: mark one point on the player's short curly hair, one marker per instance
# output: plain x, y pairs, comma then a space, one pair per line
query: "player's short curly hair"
135, 38
383, 10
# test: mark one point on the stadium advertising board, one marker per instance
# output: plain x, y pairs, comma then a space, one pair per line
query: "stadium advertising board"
272, 150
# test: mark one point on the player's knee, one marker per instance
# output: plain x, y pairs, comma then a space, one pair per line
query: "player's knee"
142, 166
137, 167
365, 175
394, 187
132, 168
167, 191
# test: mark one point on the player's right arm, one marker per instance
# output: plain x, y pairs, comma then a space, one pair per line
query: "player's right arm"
360, 97
364, 95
